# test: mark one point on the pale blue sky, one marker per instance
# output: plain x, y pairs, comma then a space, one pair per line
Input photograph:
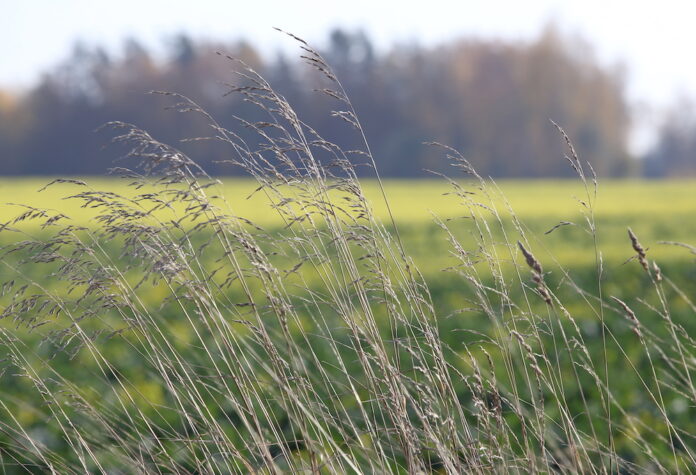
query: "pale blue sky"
654, 39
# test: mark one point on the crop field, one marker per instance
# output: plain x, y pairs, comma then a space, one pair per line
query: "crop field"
546, 354
656, 210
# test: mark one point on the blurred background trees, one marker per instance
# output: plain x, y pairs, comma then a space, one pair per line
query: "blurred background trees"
674, 155
491, 100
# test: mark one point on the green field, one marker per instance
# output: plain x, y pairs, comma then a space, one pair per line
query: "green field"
655, 210
413, 201
473, 283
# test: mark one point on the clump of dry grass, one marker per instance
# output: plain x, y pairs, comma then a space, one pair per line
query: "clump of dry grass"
210, 345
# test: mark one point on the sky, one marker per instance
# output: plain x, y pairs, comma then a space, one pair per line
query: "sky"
652, 39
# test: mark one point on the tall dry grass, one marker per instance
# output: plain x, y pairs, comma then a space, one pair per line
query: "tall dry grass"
210, 345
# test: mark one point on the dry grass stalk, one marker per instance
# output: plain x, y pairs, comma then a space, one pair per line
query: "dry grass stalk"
640, 251
537, 273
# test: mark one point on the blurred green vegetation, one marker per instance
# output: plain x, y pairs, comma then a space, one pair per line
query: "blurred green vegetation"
656, 211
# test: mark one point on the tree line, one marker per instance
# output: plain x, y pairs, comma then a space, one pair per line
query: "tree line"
492, 100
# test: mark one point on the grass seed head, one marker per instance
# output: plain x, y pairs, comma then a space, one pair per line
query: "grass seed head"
640, 250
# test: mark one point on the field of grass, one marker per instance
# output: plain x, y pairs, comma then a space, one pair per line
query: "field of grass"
468, 269
296, 324
656, 210
412, 201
